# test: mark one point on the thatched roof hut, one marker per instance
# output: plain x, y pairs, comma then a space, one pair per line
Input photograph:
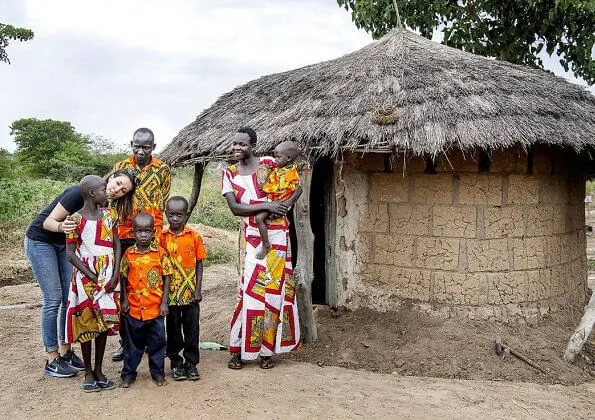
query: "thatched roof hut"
444, 97
447, 180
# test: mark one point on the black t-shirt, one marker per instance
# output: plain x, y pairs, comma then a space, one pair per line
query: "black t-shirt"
71, 200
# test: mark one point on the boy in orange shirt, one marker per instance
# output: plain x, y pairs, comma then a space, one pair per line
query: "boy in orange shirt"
186, 251
145, 274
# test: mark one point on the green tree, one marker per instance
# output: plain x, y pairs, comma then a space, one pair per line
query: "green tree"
6, 164
105, 153
513, 30
8, 33
51, 148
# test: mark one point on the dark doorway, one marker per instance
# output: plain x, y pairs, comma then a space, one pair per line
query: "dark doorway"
322, 219
293, 237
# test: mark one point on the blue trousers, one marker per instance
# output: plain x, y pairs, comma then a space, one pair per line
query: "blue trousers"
52, 272
139, 335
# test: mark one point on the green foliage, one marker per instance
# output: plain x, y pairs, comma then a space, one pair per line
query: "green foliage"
219, 255
8, 33
21, 200
590, 188
515, 30
49, 148
104, 154
7, 164
211, 208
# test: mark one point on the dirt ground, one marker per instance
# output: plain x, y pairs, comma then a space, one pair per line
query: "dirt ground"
365, 364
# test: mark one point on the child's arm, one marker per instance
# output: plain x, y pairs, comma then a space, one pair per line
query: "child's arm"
124, 295
198, 291
117, 257
164, 309
294, 197
73, 259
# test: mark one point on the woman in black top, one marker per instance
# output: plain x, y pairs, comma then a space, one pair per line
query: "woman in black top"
45, 246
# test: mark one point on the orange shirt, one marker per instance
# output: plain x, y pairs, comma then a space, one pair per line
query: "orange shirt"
150, 195
144, 272
282, 182
184, 250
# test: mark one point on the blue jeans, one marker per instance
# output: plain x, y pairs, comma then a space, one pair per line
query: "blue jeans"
52, 271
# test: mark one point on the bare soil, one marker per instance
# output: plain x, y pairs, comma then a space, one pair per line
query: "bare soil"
399, 364
410, 343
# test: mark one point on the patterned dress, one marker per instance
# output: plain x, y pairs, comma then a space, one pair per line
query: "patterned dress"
91, 310
265, 320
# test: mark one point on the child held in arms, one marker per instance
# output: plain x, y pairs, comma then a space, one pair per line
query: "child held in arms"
93, 249
186, 252
282, 184
145, 275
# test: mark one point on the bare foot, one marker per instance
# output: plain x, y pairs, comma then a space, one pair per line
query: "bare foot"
160, 381
266, 247
90, 377
99, 376
126, 383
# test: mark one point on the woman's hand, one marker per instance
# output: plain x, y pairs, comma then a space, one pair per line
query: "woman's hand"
68, 225
59, 220
277, 208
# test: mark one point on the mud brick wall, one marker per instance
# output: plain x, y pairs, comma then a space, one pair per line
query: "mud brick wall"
505, 243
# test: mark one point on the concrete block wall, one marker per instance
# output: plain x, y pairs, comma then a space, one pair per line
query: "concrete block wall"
506, 244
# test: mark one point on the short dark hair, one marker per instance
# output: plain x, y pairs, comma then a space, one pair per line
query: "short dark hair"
143, 217
251, 133
177, 198
144, 130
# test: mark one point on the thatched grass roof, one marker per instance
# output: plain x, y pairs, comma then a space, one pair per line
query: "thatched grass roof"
444, 97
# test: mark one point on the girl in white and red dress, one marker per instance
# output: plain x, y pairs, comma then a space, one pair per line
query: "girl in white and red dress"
93, 301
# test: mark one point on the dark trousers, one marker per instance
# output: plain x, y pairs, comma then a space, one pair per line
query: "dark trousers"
139, 335
182, 334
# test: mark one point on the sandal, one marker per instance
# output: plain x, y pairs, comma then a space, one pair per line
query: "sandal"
267, 362
236, 362
106, 384
90, 386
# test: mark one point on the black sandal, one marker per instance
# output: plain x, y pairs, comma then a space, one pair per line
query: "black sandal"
90, 386
267, 362
236, 362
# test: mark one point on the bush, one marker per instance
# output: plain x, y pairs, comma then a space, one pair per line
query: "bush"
21, 200
7, 164
219, 255
211, 209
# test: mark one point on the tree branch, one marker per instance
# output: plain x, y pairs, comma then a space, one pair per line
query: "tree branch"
398, 15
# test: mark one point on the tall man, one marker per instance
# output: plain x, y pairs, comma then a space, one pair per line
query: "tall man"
153, 181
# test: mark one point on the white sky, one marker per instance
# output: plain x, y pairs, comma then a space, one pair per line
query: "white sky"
110, 67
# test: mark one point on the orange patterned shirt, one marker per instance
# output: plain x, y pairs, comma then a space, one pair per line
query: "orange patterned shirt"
150, 195
144, 272
185, 249
282, 182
